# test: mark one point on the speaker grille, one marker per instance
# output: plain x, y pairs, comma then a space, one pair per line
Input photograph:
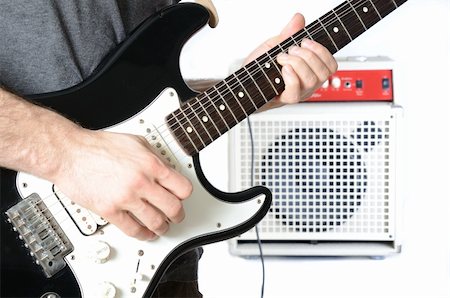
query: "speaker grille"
330, 179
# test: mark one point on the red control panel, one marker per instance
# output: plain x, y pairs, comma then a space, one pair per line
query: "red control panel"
357, 85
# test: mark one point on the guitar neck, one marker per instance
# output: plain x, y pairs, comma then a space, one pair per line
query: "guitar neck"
206, 117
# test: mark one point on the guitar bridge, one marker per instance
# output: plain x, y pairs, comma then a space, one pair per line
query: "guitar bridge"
41, 234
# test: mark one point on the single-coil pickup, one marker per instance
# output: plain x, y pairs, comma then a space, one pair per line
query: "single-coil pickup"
161, 148
86, 221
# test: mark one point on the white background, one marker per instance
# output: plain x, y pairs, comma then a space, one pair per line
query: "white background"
416, 36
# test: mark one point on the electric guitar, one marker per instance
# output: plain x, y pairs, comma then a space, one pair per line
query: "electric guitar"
51, 247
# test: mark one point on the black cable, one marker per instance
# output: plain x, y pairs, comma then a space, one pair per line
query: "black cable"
262, 261
256, 227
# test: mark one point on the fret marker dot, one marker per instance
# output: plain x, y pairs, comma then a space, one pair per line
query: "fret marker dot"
189, 129
222, 107
335, 29
205, 119
365, 9
267, 65
241, 94
277, 80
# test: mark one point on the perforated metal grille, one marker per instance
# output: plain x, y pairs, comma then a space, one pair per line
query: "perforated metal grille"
330, 179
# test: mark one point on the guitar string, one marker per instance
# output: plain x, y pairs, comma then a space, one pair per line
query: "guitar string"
217, 98
267, 57
315, 30
258, 72
59, 208
202, 135
338, 10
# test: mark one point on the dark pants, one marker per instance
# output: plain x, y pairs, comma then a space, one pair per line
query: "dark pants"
175, 289
180, 279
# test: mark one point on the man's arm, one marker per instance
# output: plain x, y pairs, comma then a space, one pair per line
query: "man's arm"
115, 175
32, 139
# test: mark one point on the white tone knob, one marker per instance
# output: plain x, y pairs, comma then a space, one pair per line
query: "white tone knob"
326, 84
106, 290
336, 82
100, 252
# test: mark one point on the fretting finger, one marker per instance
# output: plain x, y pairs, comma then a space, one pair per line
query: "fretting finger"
322, 53
319, 68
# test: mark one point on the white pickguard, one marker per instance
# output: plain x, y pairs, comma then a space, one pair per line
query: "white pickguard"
124, 266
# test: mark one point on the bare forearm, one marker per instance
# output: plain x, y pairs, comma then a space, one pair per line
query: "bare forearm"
32, 138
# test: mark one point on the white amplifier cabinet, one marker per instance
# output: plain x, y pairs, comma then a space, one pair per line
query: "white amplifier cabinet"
334, 169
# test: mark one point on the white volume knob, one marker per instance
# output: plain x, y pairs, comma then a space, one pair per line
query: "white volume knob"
106, 290
100, 252
326, 84
336, 82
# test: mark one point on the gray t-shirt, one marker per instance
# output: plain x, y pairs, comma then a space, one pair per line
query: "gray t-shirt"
49, 45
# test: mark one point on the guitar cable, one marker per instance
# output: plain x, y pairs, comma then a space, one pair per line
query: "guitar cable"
258, 239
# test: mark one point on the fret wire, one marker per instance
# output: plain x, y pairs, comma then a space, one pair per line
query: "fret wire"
232, 93
293, 39
245, 90
386, 7
209, 115
233, 108
200, 121
251, 80
192, 127
267, 77
274, 63
286, 44
273, 53
227, 112
257, 86
210, 119
326, 31
307, 32
333, 23
379, 15
341, 13
349, 2
225, 102
343, 26
299, 36
215, 107
317, 29
367, 14
186, 133
350, 19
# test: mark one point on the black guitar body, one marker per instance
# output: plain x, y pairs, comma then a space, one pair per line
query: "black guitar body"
20, 276
123, 84
130, 81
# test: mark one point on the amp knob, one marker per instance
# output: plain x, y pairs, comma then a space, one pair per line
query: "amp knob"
336, 82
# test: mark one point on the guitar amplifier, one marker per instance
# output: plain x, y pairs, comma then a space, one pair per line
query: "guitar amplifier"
333, 165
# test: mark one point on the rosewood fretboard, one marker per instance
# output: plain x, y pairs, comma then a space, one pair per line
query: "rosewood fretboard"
206, 117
